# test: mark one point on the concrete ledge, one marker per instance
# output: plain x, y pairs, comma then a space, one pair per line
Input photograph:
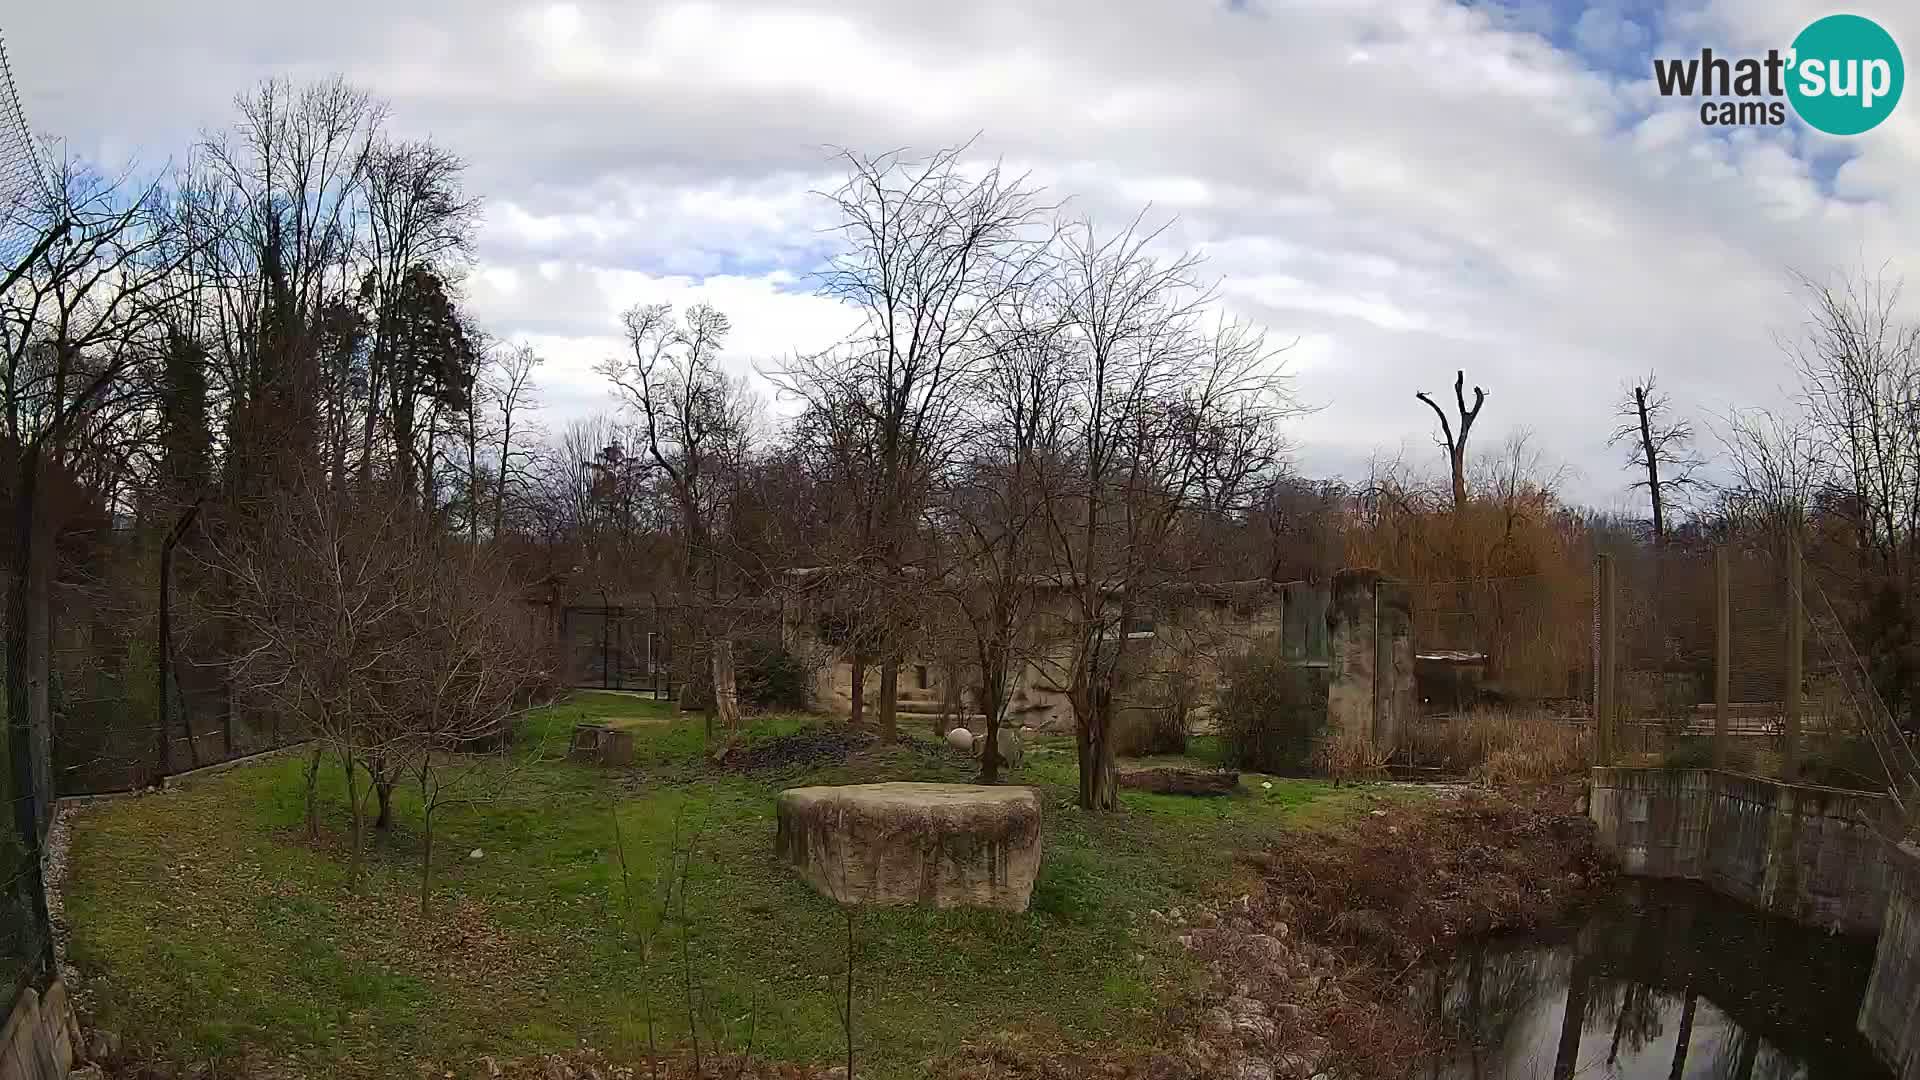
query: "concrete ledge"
1816, 855
1890, 1011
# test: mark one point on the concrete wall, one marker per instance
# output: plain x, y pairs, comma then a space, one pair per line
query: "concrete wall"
38, 1040
1890, 1012
1815, 855
1371, 693
1811, 854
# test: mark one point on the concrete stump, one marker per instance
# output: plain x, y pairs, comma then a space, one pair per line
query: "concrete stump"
943, 845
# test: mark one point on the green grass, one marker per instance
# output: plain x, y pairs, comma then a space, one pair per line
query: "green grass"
207, 926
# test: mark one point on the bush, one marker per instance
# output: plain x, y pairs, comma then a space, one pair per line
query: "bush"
1273, 714
1843, 762
1149, 729
770, 676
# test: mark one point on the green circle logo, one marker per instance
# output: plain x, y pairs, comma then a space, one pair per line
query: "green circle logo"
1846, 74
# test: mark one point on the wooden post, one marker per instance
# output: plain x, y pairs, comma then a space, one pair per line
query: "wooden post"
1722, 652
1796, 648
1607, 705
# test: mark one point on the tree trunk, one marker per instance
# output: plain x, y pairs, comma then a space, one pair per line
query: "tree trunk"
1099, 784
1653, 466
889, 696
1573, 1020
383, 782
1681, 1046
357, 815
726, 695
857, 712
949, 702
313, 792
1457, 459
163, 652
426, 853
993, 703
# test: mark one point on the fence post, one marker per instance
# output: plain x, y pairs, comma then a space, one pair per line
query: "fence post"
1796, 649
1722, 652
1606, 691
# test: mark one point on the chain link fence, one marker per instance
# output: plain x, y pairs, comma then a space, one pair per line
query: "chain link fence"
25, 930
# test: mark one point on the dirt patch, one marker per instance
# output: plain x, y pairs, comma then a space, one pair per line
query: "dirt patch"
812, 748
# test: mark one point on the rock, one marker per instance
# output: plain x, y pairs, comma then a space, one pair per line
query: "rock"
960, 739
1250, 1018
943, 845
476, 853
1173, 780
1011, 753
492, 1067
87, 1072
102, 1045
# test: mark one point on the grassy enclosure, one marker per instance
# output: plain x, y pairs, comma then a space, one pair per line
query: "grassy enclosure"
207, 927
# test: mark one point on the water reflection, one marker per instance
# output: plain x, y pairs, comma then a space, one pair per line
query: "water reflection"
1670, 981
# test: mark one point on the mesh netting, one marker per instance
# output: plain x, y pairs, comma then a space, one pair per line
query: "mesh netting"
23, 177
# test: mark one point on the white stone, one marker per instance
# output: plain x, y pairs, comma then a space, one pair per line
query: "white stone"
475, 853
960, 739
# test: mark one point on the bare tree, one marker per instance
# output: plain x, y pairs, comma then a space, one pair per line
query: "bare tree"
1859, 368
1456, 445
695, 421
930, 249
512, 393
1777, 471
1165, 420
992, 507
80, 326
1660, 445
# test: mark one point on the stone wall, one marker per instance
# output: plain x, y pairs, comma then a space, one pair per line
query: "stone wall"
1890, 1012
1811, 854
38, 1040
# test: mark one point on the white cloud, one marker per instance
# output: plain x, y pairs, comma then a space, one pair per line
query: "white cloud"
1408, 186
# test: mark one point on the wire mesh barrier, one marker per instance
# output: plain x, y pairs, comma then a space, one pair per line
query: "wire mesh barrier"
1665, 648
617, 647
1730, 657
26, 947
1503, 639
23, 177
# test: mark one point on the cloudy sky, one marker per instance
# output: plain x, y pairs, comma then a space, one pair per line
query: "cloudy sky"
1402, 186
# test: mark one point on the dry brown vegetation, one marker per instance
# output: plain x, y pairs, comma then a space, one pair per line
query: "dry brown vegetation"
1502, 746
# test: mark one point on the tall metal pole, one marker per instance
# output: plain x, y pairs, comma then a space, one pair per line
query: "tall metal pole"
1722, 652
1796, 654
1606, 720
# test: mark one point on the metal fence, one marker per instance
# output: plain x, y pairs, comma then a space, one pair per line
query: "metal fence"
617, 647
1732, 656
26, 935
